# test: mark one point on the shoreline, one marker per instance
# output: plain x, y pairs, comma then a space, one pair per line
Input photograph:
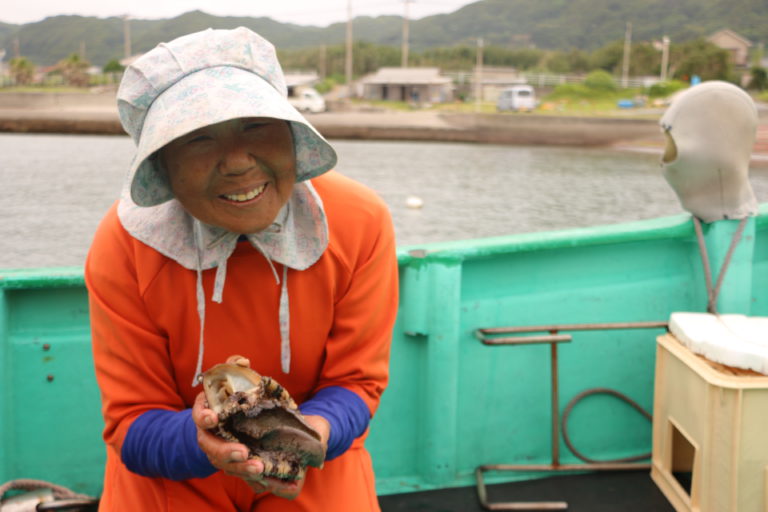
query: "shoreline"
521, 129
96, 113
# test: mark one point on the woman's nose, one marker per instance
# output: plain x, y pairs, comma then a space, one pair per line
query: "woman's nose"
237, 159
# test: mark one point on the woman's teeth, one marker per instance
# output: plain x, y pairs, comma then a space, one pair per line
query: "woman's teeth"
247, 196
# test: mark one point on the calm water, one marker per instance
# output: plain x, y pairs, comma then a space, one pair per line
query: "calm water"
57, 187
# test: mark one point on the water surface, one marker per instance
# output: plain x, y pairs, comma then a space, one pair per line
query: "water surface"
57, 187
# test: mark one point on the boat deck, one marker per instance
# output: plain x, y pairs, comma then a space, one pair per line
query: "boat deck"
625, 491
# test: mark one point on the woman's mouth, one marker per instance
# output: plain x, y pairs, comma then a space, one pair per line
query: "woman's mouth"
247, 196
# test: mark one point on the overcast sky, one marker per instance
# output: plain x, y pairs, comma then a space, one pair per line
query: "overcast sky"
302, 12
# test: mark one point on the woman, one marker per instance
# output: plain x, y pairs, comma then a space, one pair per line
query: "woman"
233, 236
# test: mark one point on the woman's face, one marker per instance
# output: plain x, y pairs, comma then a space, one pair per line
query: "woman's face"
236, 175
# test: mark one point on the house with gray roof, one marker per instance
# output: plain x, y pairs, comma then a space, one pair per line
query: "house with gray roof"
414, 85
737, 45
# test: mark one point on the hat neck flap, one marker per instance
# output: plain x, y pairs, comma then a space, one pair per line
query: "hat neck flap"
297, 238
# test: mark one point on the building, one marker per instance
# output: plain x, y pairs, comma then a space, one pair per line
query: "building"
416, 85
298, 80
734, 43
493, 80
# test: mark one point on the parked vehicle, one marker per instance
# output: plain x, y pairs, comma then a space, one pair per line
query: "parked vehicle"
306, 99
517, 98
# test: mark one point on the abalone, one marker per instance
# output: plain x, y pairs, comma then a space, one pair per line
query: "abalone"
258, 412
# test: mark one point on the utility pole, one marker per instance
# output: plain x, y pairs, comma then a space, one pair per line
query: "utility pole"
664, 58
404, 62
126, 37
627, 51
16, 45
348, 56
323, 71
479, 74
82, 50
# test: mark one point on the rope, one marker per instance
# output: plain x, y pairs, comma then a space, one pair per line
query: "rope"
28, 484
605, 391
714, 292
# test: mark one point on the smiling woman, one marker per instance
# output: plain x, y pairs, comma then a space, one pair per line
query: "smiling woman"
231, 194
237, 174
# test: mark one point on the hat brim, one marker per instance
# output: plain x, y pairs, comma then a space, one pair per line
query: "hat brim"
210, 96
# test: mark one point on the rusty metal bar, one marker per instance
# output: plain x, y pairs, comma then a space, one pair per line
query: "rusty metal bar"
572, 327
482, 492
597, 466
555, 404
526, 340
553, 339
518, 505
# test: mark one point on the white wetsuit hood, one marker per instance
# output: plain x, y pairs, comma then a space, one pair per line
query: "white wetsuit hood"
710, 130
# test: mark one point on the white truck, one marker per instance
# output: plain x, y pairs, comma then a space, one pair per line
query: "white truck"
518, 98
306, 99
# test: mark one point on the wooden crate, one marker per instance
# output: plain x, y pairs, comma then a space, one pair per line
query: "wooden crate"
710, 432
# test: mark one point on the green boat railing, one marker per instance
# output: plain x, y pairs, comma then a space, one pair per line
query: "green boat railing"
453, 404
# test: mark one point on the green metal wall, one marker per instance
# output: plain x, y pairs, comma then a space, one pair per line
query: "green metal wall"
51, 425
452, 403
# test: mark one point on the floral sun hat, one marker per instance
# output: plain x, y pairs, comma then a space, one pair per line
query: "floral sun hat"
201, 79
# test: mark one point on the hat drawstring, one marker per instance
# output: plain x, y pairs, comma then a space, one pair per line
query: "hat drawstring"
285, 325
218, 284
218, 290
200, 295
284, 311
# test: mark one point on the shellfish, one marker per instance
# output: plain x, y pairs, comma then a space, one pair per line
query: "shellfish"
258, 412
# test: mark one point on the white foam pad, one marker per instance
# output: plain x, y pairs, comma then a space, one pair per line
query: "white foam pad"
734, 340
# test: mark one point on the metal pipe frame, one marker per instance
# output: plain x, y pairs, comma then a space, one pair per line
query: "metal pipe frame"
571, 327
553, 339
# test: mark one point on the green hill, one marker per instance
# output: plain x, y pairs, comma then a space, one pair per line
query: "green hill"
551, 24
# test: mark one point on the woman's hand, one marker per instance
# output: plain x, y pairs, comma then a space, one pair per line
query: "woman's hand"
232, 458
292, 489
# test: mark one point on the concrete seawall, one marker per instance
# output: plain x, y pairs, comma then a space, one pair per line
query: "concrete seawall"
96, 113
487, 128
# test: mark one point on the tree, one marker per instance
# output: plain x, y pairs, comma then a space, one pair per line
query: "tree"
609, 57
644, 60
22, 70
578, 61
557, 62
113, 69
759, 79
74, 70
113, 66
600, 80
700, 57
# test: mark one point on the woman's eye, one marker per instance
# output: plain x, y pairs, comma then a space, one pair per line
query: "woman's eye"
254, 126
198, 138
195, 139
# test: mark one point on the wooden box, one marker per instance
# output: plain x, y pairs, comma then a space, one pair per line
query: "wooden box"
710, 432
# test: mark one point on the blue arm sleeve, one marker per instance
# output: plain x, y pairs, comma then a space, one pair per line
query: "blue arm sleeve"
346, 412
162, 443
